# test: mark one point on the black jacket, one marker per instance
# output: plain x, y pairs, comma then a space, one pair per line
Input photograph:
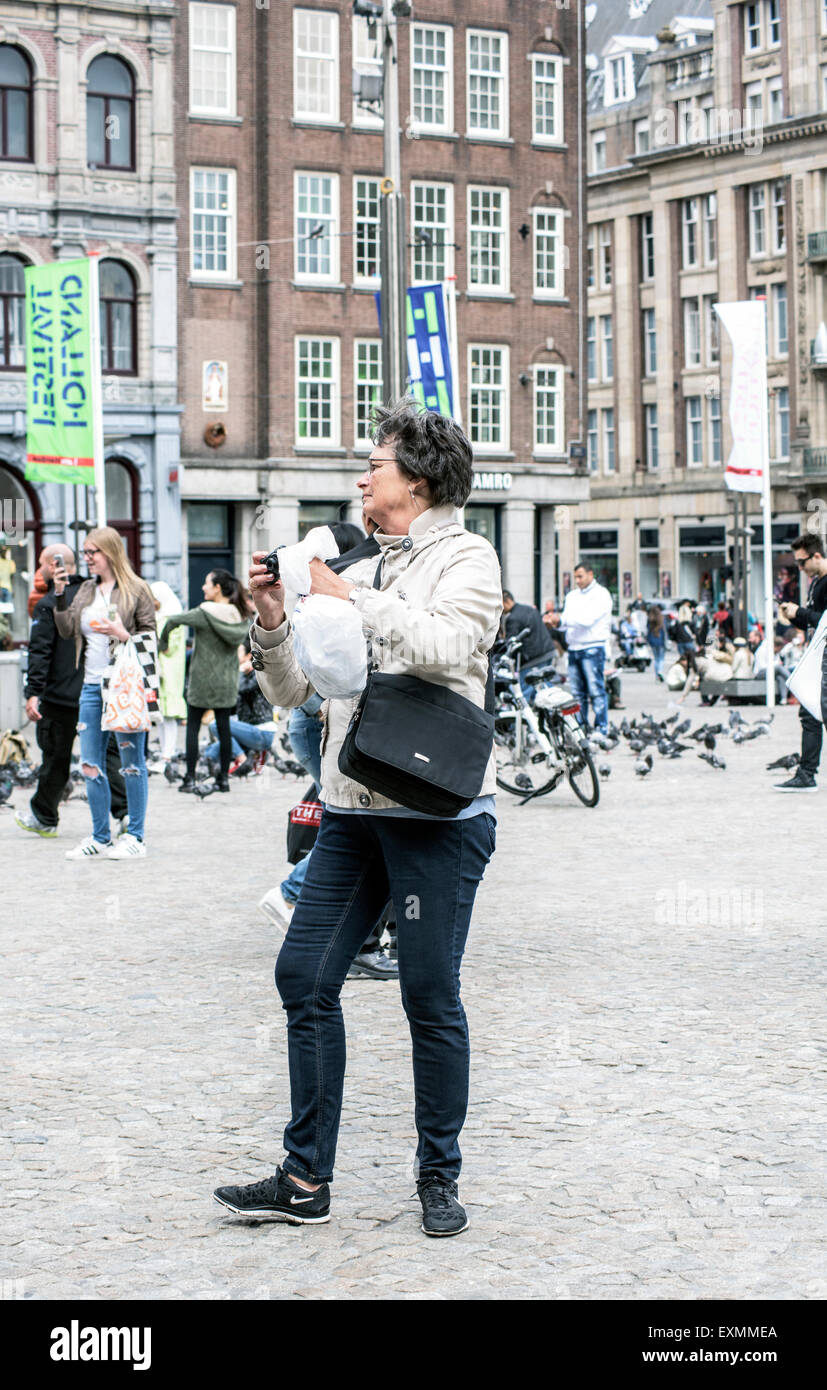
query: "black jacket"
538, 641
810, 615
52, 673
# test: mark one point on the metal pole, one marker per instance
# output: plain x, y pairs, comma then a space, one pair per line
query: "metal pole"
736, 564
766, 504
97, 393
394, 347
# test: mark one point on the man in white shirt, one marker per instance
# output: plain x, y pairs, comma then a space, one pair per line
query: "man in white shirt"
587, 620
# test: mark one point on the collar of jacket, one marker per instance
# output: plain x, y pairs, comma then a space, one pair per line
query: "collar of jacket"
424, 527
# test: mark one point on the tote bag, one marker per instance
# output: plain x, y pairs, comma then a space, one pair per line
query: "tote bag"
125, 707
805, 681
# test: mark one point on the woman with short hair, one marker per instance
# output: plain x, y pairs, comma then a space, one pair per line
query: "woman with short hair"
431, 610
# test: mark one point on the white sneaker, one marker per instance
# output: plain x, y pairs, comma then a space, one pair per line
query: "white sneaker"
89, 848
277, 908
128, 847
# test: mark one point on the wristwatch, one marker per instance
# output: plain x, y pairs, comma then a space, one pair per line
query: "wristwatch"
356, 589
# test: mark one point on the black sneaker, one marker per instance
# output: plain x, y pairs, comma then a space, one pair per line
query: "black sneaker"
801, 782
442, 1214
188, 784
277, 1199
375, 964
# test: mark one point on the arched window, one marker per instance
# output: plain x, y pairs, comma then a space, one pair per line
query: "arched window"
12, 314
110, 114
20, 514
122, 506
15, 104
119, 355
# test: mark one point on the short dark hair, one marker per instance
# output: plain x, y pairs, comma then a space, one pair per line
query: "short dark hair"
813, 544
508, 594
428, 446
584, 565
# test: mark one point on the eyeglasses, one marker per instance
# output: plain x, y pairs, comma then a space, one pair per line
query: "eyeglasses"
802, 563
87, 554
373, 464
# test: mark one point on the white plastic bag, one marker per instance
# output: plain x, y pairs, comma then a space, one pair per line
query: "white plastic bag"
330, 646
294, 560
125, 707
805, 681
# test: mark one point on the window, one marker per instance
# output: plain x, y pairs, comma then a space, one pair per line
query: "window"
752, 23
317, 217
775, 94
488, 239
647, 247
367, 60
607, 346
714, 417
366, 230
212, 237
689, 208
12, 314
598, 151
779, 216
591, 257
757, 220
432, 221
609, 460
782, 422
487, 58
650, 343
779, 313
212, 59
548, 410
754, 105
604, 246
117, 320
15, 104
694, 439
620, 85
488, 396
317, 402
641, 137
650, 413
547, 100
759, 292
592, 442
591, 349
431, 77
710, 211
549, 253
707, 119
110, 114
367, 364
762, 25
315, 66
773, 15
692, 332
713, 339
685, 122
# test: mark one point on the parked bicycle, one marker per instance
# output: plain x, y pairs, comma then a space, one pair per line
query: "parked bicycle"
538, 744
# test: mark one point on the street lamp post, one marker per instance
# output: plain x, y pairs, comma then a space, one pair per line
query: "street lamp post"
392, 261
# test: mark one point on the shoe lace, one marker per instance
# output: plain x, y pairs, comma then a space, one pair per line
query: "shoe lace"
261, 1191
439, 1193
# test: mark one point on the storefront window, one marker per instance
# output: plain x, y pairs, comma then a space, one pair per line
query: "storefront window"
702, 556
786, 579
598, 548
320, 514
484, 521
18, 556
649, 562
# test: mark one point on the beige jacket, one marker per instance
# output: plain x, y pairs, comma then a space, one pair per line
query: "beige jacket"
137, 614
435, 616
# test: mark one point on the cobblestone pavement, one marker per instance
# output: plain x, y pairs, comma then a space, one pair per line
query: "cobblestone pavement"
644, 985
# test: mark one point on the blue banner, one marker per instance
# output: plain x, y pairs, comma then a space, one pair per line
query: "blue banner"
429, 352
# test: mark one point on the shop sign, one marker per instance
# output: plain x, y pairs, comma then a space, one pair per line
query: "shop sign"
492, 481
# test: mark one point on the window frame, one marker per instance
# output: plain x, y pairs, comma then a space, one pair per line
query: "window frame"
106, 97
781, 453
556, 82
218, 277
306, 277
641, 128
714, 428
558, 447
502, 445
331, 117
503, 286
360, 117
500, 132
605, 244
369, 281
591, 348
608, 438
709, 223
650, 432
27, 158
690, 224
558, 290
607, 349
692, 341
448, 230
650, 343
6, 343
319, 441
363, 441
598, 142
593, 440
647, 246
106, 369
693, 421
777, 298
445, 127
230, 109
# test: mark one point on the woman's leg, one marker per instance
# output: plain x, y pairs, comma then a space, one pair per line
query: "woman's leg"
93, 742
342, 896
433, 912
169, 738
136, 779
305, 731
222, 721
194, 717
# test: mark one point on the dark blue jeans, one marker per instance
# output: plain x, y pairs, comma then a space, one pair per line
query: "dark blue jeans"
588, 684
431, 869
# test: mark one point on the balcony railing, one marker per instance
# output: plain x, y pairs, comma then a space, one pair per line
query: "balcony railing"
692, 68
815, 461
817, 246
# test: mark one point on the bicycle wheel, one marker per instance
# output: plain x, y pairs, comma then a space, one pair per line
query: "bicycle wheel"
522, 765
580, 769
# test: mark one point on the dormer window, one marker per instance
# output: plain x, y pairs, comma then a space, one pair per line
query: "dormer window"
620, 80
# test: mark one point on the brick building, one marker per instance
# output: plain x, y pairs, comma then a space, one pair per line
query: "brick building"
86, 164
707, 141
279, 174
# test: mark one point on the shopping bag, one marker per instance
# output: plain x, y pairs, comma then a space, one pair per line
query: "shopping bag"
303, 823
125, 708
805, 681
330, 647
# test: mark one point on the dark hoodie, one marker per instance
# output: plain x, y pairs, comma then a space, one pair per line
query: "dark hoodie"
219, 632
52, 673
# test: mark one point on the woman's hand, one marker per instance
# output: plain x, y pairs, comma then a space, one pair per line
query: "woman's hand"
267, 596
114, 629
324, 581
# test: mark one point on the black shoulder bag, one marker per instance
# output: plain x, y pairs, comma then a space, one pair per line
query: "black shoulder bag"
419, 743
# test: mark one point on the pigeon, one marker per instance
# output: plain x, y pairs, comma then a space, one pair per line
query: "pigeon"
712, 760
604, 770
790, 761
170, 773
643, 766
682, 728
203, 789
709, 742
637, 745
6, 789
671, 720
735, 718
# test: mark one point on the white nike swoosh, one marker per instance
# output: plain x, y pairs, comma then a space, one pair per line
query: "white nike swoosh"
296, 1201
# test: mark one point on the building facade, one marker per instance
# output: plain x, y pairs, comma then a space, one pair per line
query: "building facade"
280, 174
707, 140
86, 166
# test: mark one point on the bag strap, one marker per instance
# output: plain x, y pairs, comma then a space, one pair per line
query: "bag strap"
489, 683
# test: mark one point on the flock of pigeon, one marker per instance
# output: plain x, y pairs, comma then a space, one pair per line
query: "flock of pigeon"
672, 740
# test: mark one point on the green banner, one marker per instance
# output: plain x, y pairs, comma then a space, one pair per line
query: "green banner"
61, 381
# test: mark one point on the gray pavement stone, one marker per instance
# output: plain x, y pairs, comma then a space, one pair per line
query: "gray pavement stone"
643, 986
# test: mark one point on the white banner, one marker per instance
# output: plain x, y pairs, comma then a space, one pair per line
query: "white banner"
744, 321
